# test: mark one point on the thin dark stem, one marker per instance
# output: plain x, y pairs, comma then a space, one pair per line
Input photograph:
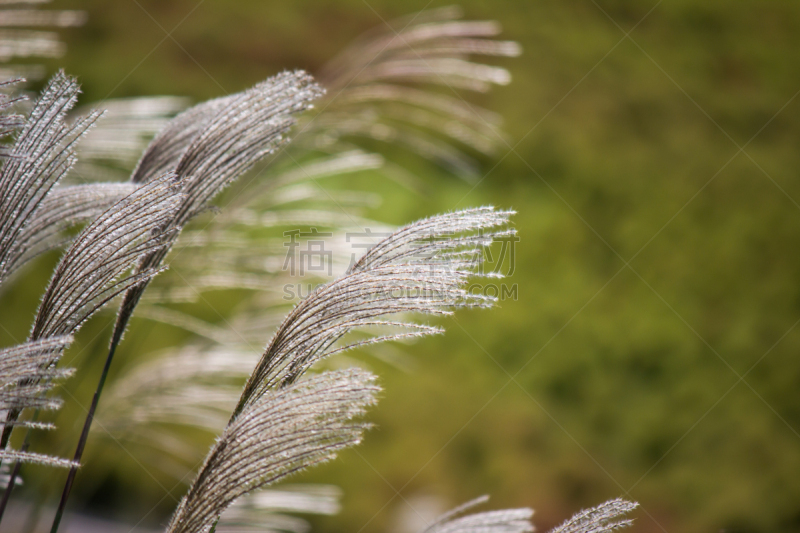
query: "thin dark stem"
87, 424
129, 301
9, 426
11, 418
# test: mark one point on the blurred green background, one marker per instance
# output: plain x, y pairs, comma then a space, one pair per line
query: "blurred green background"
652, 352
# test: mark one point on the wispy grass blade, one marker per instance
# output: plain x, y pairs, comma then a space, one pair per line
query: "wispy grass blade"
284, 431
434, 123
267, 509
422, 268
27, 372
42, 154
63, 208
283, 424
90, 272
234, 133
401, 83
20, 456
214, 143
428, 33
604, 518
9, 122
503, 521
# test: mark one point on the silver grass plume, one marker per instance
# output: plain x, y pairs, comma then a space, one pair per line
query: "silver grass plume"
212, 144
282, 425
240, 249
9, 123
239, 131
233, 136
62, 209
24, 366
381, 87
280, 433
22, 456
503, 521
601, 519
409, 111
228, 135
167, 148
27, 373
435, 34
421, 268
265, 511
90, 272
41, 155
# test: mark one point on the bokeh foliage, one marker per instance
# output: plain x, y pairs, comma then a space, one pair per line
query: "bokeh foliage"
656, 181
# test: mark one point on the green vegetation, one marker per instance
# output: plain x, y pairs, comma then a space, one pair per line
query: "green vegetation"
657, 185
